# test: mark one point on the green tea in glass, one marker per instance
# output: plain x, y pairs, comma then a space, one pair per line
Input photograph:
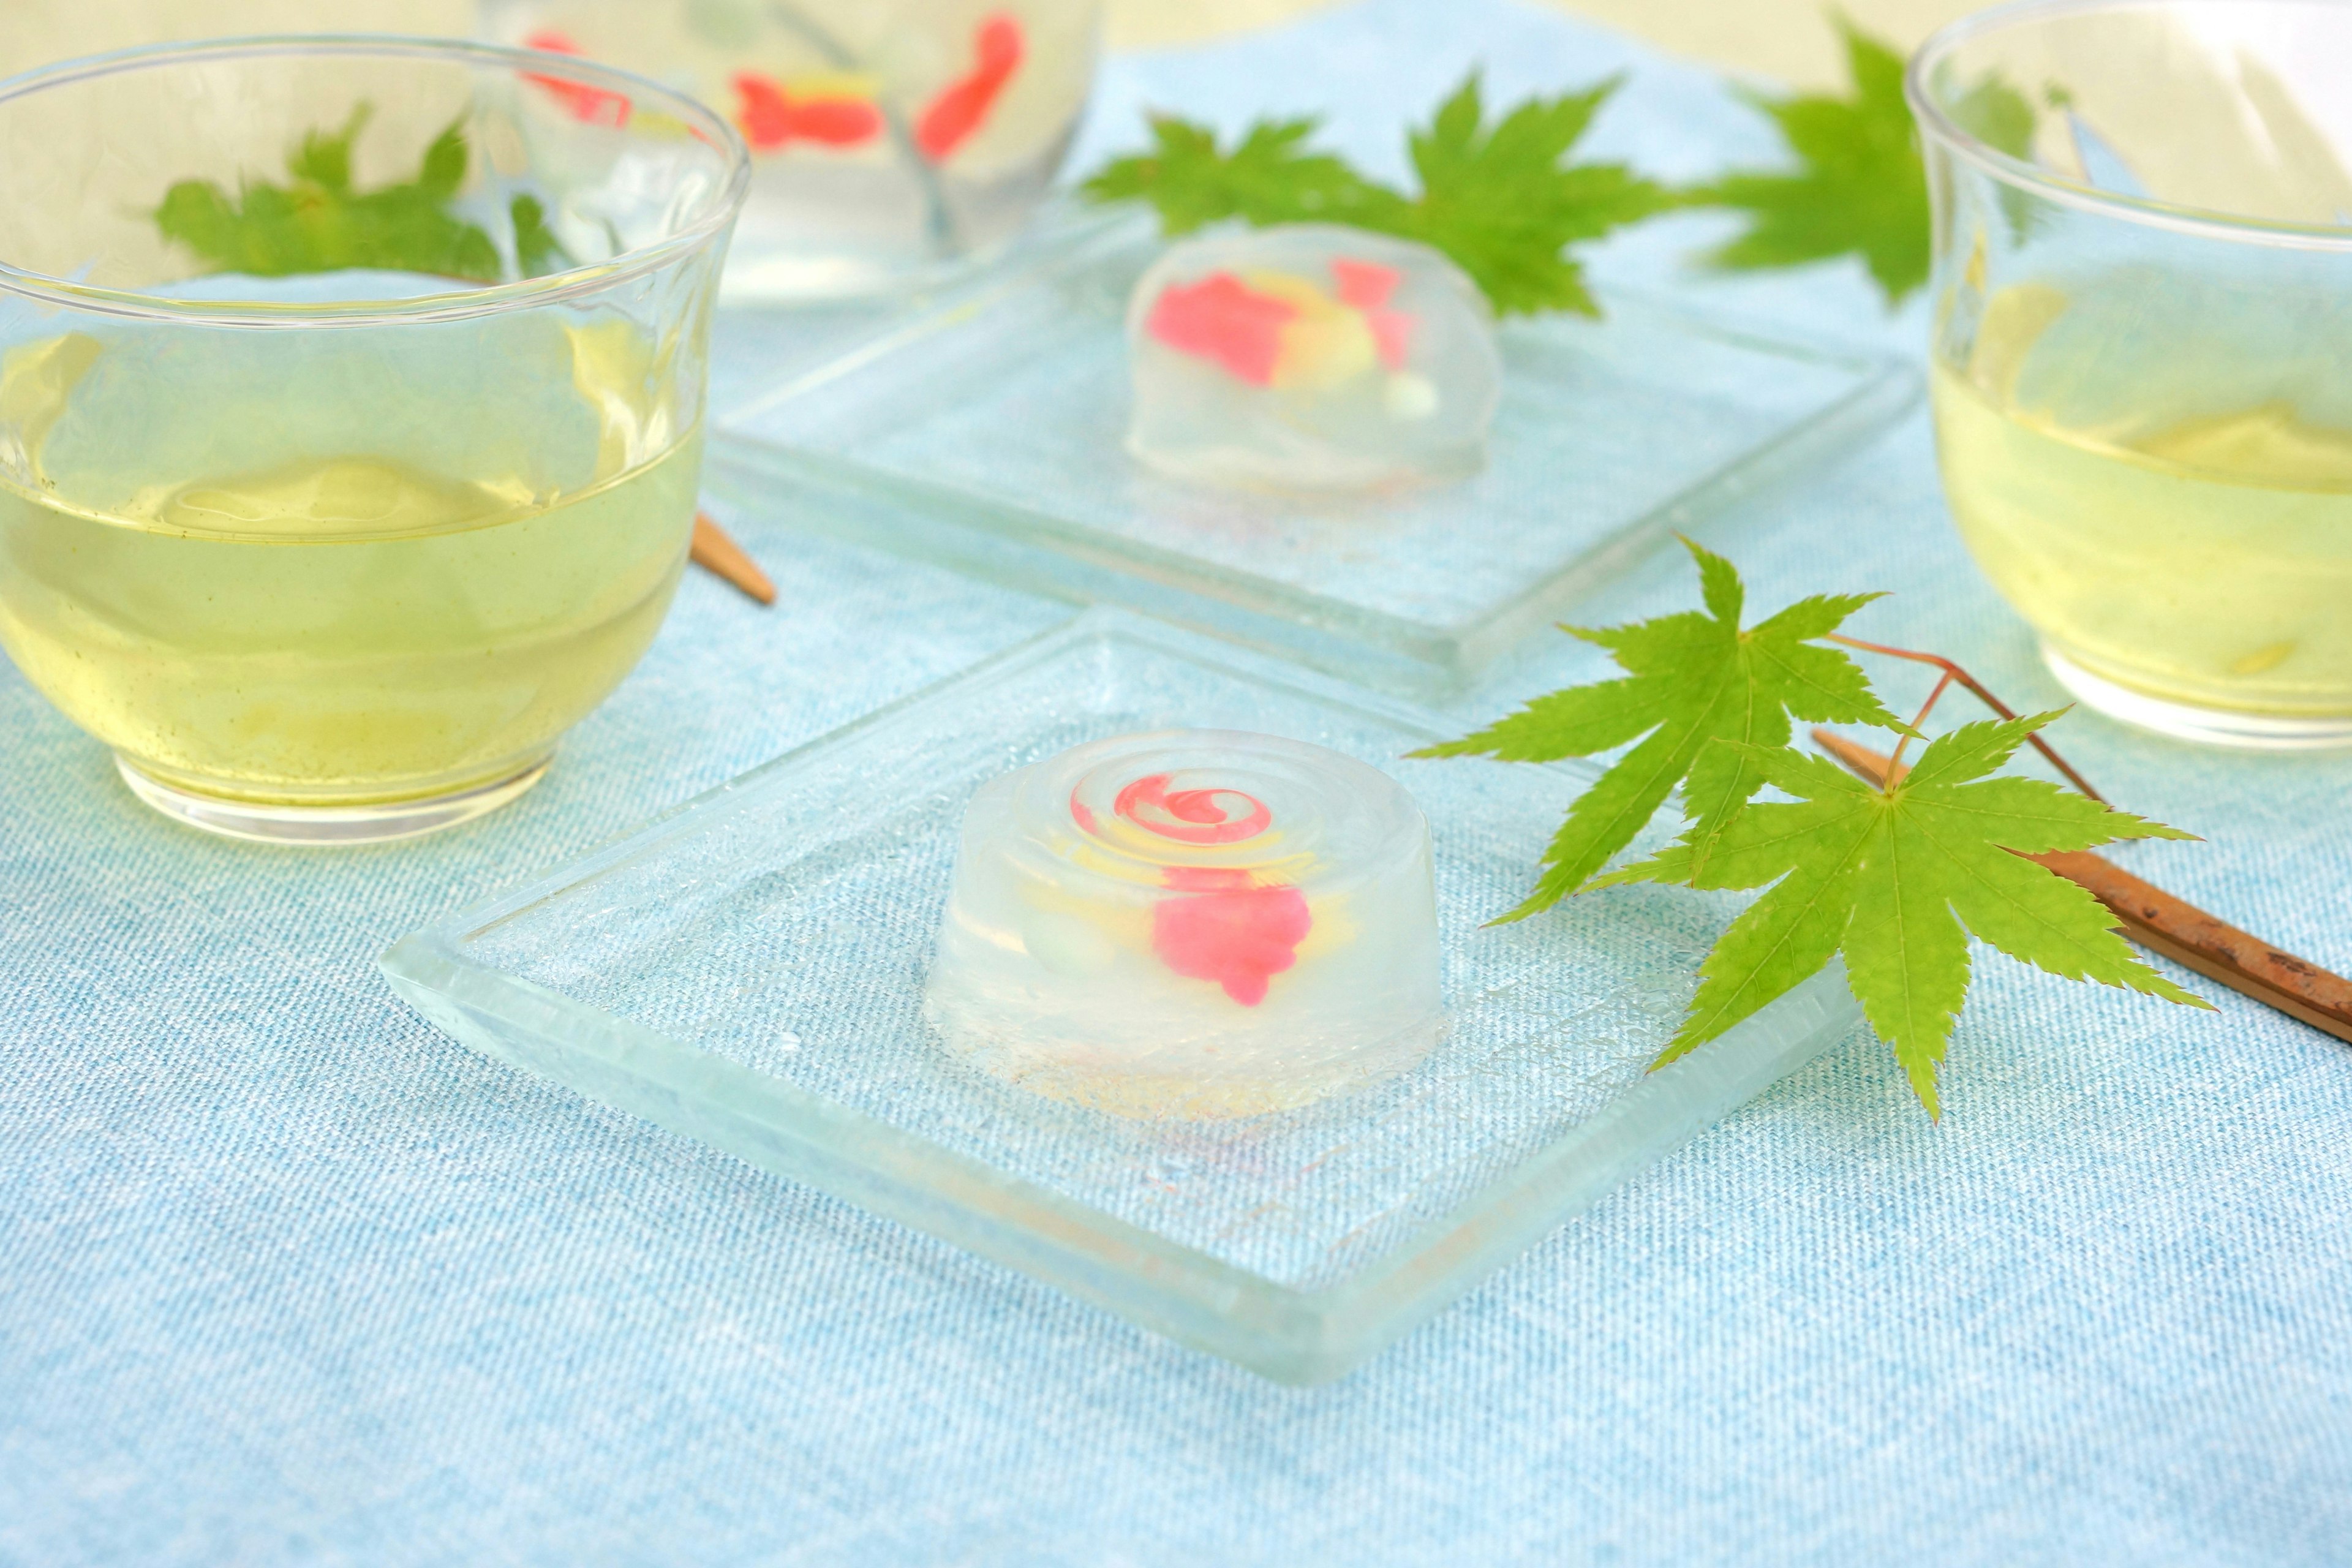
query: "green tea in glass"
2142, 375
351, 414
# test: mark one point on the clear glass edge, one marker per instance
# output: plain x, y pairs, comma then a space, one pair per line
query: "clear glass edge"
458, 305
1103, 622
1287, 1335
292, 826
2199, 222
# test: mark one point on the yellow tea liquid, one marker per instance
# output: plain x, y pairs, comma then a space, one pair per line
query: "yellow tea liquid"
354, 627
2167, 527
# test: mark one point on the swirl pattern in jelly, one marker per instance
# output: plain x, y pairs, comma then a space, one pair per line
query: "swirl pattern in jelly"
1231, 923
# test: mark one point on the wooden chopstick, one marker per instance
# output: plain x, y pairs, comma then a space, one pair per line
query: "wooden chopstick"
715, 553
2173, 927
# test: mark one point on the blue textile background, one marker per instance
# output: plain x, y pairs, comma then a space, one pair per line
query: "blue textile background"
286, 1276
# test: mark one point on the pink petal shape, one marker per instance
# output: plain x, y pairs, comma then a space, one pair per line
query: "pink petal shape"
962, 107
1366, 285
770, 117
1240, 937
1222, 319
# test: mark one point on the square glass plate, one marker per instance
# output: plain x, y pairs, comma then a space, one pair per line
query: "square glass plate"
989, 434
757, 346
748, 971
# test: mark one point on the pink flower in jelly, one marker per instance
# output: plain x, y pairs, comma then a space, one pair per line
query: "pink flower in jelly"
1283, 330
1223, 318
596, 105
963, 105
1223, 926
1240, 937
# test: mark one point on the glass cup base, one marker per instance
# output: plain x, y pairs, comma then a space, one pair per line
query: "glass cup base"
2207, 726
327, 826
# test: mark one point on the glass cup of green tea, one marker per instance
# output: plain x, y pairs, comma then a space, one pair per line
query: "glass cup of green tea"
350, 414
892, 140
2142, 374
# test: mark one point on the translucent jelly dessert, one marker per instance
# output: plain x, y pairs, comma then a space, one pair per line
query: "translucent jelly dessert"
1188, 924
1310, 357
889, 138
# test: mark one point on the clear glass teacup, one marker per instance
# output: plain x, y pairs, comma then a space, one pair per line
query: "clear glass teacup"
2142, 370
892, 140
351, 414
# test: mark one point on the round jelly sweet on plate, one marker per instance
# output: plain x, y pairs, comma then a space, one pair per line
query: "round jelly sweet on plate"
1310, 358
1190, 923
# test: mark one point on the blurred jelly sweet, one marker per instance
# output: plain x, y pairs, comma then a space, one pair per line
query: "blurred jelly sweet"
890, 139
1191, 922
1310, 357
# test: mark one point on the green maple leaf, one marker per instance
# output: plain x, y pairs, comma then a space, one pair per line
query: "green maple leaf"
1862, 189
1269, 177
1503, 204
1898, 880
1691, 680
1501, 200
317, 222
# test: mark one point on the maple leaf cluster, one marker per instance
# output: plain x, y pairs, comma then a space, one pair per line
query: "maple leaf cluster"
1691, 679
1269, 177
317, 222
1504, 203
1500, 199
1895, 878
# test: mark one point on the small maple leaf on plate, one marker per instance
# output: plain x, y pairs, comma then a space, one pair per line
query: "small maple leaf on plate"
1898, 880
1501, 200
1691, 679
1269, 177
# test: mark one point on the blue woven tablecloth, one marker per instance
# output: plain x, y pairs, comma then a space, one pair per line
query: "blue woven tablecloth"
286, 1276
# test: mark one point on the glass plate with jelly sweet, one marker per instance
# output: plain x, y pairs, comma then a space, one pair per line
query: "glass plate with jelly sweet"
990, 434
750, 972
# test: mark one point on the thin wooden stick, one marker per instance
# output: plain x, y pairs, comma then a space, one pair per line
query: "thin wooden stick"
1943, 684
2162, 923
1954, 672
717, 553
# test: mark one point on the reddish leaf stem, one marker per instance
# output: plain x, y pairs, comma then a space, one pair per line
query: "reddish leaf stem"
1953, 672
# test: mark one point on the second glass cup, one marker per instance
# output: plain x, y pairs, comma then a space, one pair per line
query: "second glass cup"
350, 414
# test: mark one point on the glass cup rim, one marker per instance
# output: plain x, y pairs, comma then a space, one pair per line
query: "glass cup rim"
2206, 223
455, 305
